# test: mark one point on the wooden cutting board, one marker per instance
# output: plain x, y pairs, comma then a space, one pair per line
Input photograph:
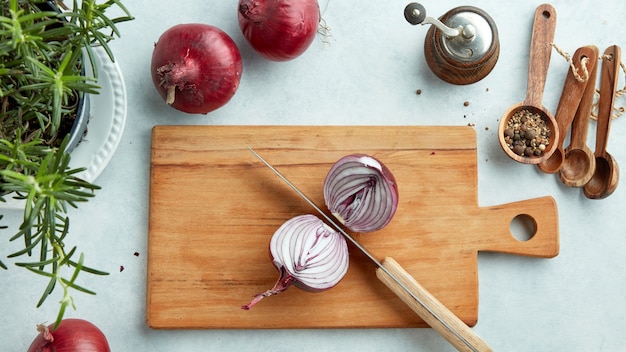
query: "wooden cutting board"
214, 207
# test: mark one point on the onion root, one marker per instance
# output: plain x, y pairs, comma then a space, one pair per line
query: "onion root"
45, 331
281, 285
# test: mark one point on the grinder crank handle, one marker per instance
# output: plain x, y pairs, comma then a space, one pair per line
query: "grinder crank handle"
433, 312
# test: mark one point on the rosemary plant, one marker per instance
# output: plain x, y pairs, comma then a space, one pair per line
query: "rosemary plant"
44, 48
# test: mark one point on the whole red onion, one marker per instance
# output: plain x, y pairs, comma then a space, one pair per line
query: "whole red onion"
72, 335
279, 30
196, 68
361, 192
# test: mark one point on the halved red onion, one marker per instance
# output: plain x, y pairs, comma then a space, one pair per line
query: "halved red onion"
361, 192
308, 254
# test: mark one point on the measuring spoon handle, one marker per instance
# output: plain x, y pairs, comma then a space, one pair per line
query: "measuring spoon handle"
444, 321
580, 125
608, 86
573, 90
542, 36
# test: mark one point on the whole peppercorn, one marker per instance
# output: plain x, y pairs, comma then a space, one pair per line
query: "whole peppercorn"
526, 133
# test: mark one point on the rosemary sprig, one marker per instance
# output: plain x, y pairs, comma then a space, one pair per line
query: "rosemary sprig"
48, 186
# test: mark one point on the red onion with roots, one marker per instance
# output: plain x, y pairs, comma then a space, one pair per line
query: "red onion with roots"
196, 68
361, 192
308, 254
279, 30
72, 335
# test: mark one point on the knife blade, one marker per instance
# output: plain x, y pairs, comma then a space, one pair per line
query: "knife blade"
398, 280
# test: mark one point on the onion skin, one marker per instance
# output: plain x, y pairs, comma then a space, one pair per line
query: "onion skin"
308, 254
196, 68
279, 30
72, 335
361, 192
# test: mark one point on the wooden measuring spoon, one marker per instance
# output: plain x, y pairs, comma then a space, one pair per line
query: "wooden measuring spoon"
542, 36
573, 90
580, 163
606, 175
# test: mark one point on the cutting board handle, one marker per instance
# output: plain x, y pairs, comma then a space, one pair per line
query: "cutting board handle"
431, 310
540, 213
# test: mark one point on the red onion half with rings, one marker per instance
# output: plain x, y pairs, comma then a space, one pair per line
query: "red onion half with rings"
308, 254
361, 192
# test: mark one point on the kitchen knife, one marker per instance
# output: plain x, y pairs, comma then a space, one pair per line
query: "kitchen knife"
411, 292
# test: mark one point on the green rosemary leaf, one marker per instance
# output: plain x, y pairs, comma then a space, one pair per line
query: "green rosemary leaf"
27, 249
42, 273
77, 287
80, 194
38, 264
48, 290
47, 70
90, 270
12, 175
64, 230
32, 17
68, 256
78, 267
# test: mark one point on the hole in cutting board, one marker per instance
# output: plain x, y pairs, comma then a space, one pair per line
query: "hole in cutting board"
523, 227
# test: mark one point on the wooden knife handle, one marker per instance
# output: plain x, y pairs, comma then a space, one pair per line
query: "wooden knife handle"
474, 343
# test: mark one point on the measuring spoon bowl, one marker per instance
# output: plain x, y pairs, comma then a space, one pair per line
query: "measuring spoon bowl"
578, 167
604, 180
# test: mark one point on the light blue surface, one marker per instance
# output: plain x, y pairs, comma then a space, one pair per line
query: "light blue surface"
367, 74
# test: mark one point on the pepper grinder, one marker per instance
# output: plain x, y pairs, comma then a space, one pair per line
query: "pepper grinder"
462, 46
